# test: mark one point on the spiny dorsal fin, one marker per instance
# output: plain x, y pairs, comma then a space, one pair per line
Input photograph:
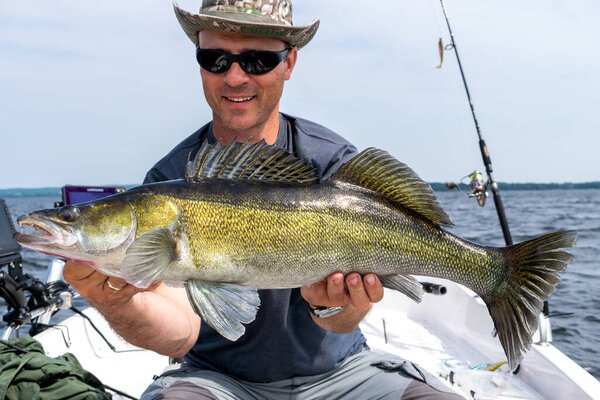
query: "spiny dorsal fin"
258, 161
378, 171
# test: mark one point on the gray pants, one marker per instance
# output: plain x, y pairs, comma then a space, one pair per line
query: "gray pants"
367, 375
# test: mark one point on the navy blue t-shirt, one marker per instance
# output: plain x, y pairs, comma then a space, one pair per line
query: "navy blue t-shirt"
283, 341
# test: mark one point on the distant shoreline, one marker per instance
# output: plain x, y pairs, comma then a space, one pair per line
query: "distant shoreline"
437, 186
441, 187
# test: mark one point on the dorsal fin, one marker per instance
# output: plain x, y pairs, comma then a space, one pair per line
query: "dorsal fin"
378, 171
258, 161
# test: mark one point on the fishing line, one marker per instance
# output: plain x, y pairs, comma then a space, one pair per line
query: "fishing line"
437, 18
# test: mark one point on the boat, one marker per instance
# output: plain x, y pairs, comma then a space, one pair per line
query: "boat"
450, 334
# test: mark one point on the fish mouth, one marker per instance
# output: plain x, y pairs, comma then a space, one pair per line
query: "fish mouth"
47, 233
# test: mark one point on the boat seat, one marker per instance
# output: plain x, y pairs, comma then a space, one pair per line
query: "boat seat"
10, 250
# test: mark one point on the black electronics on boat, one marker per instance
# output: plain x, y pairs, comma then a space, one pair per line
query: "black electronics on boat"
10, 256
10, 250
82, 194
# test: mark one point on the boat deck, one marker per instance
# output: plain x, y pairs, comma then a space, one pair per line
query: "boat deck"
451, 336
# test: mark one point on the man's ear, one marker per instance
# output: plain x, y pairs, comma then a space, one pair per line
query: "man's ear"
290, 62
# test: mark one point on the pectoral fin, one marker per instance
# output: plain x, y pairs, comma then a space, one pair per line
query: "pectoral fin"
225, 307
148, 256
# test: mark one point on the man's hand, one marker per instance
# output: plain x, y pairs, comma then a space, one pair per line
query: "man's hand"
98, 288
356, 295
158, 318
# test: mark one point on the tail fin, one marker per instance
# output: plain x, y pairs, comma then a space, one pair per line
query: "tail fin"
532, 275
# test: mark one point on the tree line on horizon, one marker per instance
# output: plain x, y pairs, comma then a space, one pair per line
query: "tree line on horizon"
437, 186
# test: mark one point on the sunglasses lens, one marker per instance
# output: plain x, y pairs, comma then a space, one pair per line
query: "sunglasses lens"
260, 62
213, 61
252, 62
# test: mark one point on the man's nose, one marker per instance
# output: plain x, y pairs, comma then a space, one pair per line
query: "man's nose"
236, 76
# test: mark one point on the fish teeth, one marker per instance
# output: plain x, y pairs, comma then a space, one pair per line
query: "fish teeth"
40, 230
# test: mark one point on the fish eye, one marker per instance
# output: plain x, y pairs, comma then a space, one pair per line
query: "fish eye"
68, 213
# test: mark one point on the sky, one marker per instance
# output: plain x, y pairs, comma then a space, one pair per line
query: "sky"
95, 92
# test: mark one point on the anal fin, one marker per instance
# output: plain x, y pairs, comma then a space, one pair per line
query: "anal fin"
225, 307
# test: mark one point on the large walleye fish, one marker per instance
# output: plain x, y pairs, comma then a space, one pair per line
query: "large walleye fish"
250, 217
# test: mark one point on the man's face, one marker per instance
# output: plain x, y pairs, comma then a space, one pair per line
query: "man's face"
244, 104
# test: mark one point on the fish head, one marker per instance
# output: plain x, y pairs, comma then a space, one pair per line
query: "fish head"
86, 232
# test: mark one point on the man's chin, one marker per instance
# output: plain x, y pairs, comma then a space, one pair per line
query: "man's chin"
241, 126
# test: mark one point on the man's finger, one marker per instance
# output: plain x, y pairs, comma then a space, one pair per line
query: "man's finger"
93, 285
83, 278
74, 271
373, 287
336, 292
358, 295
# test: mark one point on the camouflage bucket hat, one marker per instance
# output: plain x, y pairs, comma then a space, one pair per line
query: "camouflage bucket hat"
270, 18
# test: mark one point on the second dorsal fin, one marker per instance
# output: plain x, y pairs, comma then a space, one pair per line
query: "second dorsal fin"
378, 171
258, 161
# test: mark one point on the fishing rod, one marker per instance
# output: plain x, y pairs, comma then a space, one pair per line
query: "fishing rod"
485, 154
543, 321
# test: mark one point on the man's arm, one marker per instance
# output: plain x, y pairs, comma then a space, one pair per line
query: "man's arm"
158, 318
356, 296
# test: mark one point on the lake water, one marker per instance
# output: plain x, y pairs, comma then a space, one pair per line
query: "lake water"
576, 302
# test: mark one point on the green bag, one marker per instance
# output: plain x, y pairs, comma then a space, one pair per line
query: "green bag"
35, 376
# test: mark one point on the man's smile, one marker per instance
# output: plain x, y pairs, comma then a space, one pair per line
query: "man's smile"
239, 99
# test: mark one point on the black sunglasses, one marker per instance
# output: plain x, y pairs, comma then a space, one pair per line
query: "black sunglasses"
255, 62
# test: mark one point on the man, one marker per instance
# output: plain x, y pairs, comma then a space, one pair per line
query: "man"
304, 342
